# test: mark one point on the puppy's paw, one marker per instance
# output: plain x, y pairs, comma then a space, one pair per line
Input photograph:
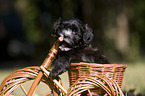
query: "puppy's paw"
53, 75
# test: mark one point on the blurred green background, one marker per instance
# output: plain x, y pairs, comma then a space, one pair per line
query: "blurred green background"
118, 28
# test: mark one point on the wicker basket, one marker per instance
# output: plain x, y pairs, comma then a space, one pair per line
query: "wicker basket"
114, 72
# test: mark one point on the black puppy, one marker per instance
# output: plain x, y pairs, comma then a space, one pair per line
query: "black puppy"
76, 45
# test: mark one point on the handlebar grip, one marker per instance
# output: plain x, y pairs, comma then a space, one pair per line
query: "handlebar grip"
52, 53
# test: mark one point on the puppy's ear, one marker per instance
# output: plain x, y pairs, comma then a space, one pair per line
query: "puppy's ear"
57, 23
88, 35
56, 26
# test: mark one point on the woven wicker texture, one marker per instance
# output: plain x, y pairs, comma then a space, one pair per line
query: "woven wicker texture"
113, 72
95, 86
20, 76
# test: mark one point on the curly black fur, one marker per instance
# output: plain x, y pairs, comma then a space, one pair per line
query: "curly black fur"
76, 45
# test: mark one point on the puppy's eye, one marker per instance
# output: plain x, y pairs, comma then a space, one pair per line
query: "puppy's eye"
74, 28
75, 33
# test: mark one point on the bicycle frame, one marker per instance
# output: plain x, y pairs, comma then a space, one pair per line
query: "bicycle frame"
45, 65
84, 83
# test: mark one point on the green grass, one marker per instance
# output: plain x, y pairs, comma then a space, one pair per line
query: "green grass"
134, 79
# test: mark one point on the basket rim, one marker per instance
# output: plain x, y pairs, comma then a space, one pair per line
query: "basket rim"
98, 65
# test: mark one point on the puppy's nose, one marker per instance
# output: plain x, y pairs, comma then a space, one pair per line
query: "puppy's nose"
60, 39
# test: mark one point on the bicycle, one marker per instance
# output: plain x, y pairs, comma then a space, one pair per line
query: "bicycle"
83, 85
